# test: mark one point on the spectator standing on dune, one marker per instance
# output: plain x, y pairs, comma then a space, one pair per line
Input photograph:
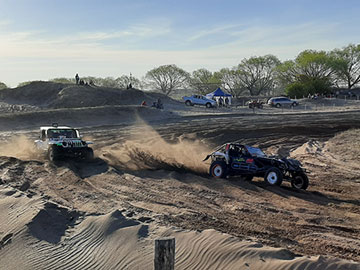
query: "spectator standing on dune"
77, 78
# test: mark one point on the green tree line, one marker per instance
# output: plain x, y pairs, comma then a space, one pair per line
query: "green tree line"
310, 72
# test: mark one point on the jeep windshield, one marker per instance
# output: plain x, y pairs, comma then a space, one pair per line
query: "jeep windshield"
255, 152
57, 133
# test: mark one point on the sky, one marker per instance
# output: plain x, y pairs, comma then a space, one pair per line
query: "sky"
46, 39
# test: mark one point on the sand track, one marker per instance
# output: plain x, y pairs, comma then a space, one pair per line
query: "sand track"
86, 198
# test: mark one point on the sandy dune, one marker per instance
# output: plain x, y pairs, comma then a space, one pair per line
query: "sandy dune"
48, 236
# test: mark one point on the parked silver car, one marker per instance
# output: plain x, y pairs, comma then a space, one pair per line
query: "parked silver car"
282, 102
199, 100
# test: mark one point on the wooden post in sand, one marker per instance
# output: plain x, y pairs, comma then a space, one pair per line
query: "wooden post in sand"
164, 254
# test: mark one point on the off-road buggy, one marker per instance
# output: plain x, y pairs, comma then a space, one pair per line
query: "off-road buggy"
63, 142
236, 159
256, 104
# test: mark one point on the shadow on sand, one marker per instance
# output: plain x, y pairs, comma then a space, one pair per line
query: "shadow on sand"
84, 168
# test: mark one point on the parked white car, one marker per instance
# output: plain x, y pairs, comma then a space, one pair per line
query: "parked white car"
62, 141
199, 100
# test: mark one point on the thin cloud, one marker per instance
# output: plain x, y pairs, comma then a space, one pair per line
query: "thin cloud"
272, 36
4, 23
21, 52
139, 31
225, 29
27, 44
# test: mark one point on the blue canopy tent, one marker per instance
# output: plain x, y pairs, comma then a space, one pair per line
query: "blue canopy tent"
219, 94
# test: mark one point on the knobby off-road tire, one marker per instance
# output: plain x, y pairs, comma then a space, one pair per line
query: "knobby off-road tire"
218, 169
300, 181
53, 153
273, 177
208, 105
278, 105
188, 103
88, 154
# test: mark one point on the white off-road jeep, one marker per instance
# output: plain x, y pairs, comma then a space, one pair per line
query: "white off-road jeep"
62, 142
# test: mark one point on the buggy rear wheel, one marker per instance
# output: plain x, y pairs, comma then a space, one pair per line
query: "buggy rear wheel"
273, 177
300, 181
218, 169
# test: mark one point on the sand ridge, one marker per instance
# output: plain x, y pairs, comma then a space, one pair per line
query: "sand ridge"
50, 236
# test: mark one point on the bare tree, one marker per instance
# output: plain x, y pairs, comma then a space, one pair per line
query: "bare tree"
124, 81
204, 81
257, 74
167, 78
230, 81
348, 65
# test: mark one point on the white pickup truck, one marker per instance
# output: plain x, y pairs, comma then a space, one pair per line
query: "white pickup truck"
199, 100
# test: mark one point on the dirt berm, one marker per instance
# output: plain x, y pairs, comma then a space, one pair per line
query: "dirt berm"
58, 95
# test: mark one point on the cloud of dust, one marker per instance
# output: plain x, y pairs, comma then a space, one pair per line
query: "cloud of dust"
20, 147
148, 150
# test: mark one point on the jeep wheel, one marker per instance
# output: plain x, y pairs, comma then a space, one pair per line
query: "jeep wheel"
218, 169
53, 153
300, 181
208, 105
88, 154
188, 103
273, 177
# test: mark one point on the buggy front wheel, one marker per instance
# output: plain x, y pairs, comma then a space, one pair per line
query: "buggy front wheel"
273, 177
